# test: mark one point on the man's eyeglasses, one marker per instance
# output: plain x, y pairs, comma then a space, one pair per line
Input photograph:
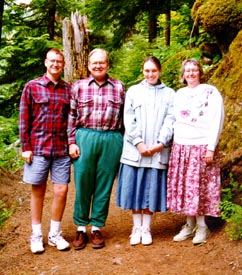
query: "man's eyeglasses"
101, 63
53, 61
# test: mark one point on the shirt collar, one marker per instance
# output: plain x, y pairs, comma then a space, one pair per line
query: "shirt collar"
47, 81
107, 80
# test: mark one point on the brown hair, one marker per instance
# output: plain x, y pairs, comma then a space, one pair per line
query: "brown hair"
56, 51
195, 62
154, 60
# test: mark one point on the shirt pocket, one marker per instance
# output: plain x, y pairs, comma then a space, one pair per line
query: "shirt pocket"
130, 152
40, 107
85, 107
113, 108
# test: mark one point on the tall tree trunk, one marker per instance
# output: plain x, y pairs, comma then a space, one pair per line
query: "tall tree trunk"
152, 28
75, 47
1, 19
152, 24
51, 19
168, 23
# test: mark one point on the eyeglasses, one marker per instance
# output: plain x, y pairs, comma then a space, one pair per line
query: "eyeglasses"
101, 63
192, 71
53, 61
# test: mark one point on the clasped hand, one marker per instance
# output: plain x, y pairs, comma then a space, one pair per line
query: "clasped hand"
149, 151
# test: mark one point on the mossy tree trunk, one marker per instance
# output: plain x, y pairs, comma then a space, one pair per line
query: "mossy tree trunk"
75, 47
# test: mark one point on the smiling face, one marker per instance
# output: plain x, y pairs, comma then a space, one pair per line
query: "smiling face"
98, 65
54, 64
151, 72
191, 74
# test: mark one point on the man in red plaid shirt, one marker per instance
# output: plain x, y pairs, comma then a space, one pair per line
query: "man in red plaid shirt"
44, 107
95, 144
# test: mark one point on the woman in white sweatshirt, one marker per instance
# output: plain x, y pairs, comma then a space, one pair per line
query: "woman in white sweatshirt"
148, 121
194, 173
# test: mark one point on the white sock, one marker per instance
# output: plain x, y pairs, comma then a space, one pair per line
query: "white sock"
94, 228
191, 221
37, 229
201, 220
54, 226
82, 228
137, 220
146, 221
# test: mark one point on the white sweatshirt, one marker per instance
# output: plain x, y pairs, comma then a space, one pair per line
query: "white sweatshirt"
199, 114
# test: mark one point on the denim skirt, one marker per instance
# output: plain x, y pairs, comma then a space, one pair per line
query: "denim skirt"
141, 188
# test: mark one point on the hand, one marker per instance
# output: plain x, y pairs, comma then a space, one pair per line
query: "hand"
209, 157
27, 156
74, 151
143, 150
156, 148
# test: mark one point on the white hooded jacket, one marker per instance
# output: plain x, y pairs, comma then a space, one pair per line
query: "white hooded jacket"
148, 118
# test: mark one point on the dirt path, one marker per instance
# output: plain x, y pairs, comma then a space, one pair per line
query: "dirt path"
218, 256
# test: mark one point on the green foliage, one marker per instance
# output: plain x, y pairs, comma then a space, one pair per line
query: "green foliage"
230, 211
172, 59
128, 60
128, 18
10, 151
19, 63
181, 24
4, 214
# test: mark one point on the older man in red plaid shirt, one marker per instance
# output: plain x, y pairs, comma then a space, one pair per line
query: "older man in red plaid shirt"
94, 128
44, 107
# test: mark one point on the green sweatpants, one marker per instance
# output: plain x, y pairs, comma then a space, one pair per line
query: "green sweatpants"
94, 173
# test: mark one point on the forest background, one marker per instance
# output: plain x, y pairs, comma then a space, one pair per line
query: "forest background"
172, 30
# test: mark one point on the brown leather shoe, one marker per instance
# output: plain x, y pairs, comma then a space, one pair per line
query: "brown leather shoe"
97, 239
80, 240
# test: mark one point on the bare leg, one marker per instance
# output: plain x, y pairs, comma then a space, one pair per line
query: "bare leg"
59, 201
37, 202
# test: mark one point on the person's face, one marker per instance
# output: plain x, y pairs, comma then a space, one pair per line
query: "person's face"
54, 64
98, 65
191, 74
151, 72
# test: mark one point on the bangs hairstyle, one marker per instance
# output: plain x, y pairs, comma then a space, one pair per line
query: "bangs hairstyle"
154, 60
195, 62
100, 51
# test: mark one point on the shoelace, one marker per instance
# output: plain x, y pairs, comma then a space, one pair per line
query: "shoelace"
36, 238
97, 234
58, 236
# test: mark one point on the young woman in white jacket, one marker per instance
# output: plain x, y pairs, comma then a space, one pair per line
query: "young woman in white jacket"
148, 121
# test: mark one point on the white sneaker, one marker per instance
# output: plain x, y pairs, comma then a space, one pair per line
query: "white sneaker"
185, 233
201, 235
135, 237
36, 244
58, 241
146, 236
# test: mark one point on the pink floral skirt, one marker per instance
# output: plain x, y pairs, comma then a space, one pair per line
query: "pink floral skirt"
193, 187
